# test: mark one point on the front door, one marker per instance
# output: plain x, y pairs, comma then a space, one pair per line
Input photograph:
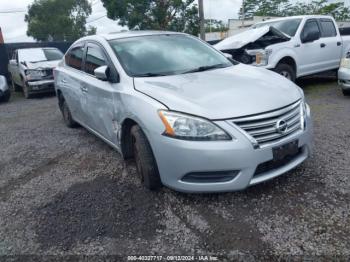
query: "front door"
100, 95
309, 54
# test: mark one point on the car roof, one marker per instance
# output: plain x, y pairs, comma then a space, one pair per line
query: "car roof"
294, 17
127, 34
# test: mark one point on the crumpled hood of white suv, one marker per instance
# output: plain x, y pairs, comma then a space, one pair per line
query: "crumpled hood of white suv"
223, 93
249, 36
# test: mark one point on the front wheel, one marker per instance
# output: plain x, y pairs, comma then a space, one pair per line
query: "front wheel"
145, 162
26, 93
67, 116
286, 70
15, 87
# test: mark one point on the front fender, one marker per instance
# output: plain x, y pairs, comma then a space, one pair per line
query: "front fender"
278, 55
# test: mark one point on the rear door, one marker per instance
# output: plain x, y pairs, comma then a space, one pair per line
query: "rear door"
331, 44
309, 54
69, 80
100, 105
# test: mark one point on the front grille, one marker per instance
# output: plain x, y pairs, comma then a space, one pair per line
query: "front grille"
263, 128
210, 177
275, 164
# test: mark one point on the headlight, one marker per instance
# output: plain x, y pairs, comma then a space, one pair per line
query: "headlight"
345, 62
35, 74
187, 127
261, 56
303, 112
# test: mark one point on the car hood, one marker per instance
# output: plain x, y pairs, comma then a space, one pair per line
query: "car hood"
230, 92
249, 36
42, 65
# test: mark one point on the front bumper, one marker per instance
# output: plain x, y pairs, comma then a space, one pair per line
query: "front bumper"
344, 78
176, 158
41, 86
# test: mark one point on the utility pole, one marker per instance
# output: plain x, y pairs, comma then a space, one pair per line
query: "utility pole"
201, 19
243, 13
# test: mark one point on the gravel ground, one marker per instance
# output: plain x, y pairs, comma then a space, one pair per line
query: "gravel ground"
65, 192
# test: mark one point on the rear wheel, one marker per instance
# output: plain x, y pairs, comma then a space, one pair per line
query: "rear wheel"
145, 162
67, 116
346, 92
5, 96
286, 70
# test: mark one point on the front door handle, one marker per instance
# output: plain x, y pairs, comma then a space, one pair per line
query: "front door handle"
64, 81
84, 89
338, 43
322, 45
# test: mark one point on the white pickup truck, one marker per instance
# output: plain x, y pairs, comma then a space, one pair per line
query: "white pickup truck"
293, 46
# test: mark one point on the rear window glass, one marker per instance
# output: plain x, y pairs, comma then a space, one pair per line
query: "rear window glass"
328, 28
74, 58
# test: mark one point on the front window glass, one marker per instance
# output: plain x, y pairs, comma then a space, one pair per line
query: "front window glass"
289, 26
94, 59
166, 55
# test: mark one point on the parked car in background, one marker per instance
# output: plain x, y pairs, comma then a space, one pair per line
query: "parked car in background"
293, 46
344, 74
31, 69
5, 93
192, 119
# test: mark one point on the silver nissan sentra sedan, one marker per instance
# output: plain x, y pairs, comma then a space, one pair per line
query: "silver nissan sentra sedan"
193, 119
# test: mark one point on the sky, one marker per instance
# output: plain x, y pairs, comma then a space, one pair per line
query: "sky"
14, 28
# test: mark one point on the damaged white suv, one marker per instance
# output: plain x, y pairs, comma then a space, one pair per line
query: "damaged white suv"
293, 46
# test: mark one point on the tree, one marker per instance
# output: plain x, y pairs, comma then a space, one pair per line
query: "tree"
289, 8
213, 25
262, 8
57, 20
175, 15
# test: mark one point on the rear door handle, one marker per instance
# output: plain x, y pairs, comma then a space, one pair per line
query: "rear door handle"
64, 81
338, 43
84, 89
323, 45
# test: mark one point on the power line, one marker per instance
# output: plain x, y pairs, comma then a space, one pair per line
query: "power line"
13, 11
96, 19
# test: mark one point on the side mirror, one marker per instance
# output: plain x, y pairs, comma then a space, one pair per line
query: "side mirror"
13, 62
101, 73
311, 36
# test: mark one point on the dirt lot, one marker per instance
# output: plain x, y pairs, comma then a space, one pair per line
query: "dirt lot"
63, 191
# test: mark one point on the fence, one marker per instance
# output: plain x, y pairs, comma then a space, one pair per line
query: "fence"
6, 51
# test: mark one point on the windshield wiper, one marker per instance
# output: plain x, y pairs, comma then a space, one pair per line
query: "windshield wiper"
33, 62
149, 75
205, 68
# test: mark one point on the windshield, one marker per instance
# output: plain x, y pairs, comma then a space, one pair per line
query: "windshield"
38, 55
166, 55
289, 26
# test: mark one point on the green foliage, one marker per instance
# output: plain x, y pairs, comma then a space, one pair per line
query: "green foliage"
289, 8
58, 20
175, 15
212, 25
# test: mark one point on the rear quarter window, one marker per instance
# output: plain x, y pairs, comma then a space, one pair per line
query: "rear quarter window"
328, 28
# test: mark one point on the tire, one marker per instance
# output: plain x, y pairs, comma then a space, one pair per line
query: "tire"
346, 92
286, 70
15, 87
26, 93
145, 162
4, 96
7, 96
67, 116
